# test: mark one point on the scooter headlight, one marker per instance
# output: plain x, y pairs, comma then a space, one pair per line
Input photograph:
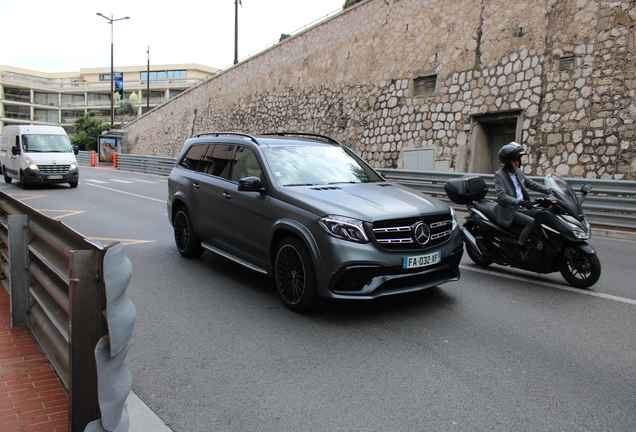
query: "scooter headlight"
581, 231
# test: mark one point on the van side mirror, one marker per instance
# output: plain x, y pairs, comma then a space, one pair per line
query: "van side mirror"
15, 150
76, 150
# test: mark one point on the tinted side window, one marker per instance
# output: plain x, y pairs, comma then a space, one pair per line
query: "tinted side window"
218, 158
193, 157
245, 164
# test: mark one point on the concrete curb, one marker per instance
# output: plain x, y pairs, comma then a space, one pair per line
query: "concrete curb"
142, 418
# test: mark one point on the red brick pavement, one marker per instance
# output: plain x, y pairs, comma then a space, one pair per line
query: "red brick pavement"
31, 396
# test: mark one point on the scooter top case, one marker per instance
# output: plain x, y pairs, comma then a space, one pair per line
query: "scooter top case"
466, 189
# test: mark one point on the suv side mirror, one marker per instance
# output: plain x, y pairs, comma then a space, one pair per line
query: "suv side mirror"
250, 184
15, 150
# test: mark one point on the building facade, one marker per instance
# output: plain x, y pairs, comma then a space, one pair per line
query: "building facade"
32, 97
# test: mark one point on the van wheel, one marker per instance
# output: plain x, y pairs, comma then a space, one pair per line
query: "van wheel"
23, 181
7, 179
73, 184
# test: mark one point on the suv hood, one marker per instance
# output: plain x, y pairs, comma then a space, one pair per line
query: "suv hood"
364, 201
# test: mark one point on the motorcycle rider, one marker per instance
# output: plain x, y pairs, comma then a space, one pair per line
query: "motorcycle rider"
511, 185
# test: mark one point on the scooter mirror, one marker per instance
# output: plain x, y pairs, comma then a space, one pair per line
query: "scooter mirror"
586, 188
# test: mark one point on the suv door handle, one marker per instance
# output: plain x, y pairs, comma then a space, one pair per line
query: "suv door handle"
227, 195
196, 185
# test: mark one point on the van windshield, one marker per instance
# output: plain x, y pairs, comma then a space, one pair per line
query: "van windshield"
45, 143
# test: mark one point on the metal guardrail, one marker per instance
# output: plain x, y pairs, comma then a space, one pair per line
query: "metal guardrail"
146, 164
61, 286
612, 203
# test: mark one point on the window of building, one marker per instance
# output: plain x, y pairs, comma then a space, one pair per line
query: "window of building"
156, 77
50, 99
176, 76
173, 93
424, 85
566, 63
71, 116
71, 100
44, 115
17, 95
97, 99
17, 112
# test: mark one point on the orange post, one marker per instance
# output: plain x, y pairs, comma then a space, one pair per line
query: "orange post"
93, 158
115, 160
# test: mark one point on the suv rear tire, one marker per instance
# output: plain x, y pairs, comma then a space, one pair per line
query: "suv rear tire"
295, 276
187, 241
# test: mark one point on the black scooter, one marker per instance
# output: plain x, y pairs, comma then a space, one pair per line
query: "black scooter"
558, 241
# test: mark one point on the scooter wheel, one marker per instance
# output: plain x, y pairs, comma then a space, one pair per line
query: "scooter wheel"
480, 261
580, 269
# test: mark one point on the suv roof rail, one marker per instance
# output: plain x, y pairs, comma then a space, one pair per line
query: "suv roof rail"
242, 135
323, 137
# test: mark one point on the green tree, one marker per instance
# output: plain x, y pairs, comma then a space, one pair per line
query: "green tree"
349, 3
126, 108
87, 129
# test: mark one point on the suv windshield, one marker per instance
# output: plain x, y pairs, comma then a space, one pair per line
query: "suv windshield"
312, 165
46, 143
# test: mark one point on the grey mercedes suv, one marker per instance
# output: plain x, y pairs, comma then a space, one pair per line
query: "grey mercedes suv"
310, 213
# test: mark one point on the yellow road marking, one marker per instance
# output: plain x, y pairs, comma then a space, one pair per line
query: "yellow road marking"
65, 213
26, 196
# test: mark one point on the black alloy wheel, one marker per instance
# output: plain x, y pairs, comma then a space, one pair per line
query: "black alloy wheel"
187, 241
580, 269
295, 276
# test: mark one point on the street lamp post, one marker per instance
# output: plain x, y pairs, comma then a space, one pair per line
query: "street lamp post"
111, 20
148, 82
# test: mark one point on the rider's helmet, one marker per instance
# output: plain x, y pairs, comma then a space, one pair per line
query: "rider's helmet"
510, 151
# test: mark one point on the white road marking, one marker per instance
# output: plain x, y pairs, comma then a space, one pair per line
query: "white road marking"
94, 181
550, 284
128, 193
147, 181
120, 181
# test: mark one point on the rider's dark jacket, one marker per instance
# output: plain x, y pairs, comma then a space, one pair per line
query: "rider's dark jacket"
507, 202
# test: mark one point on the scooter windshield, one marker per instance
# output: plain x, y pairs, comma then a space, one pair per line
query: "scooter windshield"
558, 184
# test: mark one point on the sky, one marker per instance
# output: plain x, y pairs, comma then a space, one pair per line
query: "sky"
64, 36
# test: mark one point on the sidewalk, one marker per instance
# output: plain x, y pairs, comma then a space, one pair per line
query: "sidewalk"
32, 397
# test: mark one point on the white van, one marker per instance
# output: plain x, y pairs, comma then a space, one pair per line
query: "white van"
38, 155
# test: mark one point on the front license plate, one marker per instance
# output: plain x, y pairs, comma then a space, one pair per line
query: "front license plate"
421, 260
55, 177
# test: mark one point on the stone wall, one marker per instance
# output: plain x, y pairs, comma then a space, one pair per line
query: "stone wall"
561, 72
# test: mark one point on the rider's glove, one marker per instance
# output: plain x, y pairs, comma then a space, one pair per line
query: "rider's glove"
526, 204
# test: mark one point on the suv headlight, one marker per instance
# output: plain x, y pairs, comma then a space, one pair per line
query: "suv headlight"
31, 164
454, 218
344, 228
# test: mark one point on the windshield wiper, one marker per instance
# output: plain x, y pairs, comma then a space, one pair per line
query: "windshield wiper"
301, 184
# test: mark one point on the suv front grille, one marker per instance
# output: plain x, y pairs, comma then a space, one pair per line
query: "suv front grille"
398, 234
54, 169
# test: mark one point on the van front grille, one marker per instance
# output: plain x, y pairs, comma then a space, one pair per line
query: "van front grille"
54, 169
